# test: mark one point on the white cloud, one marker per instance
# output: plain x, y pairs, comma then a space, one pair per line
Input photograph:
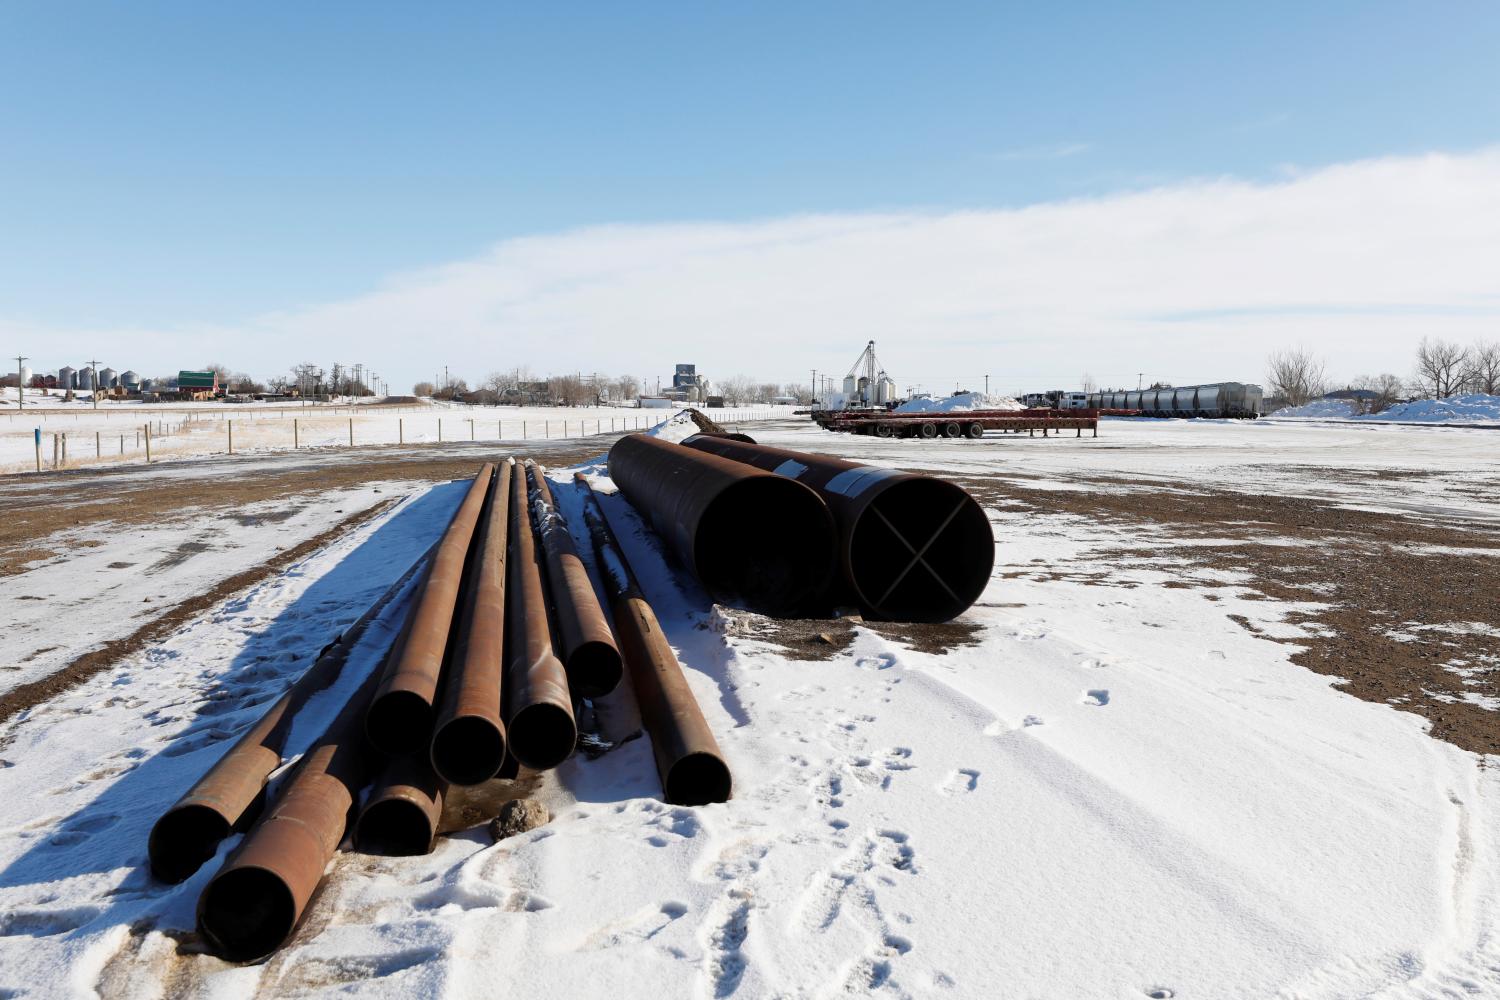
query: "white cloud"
1197, 281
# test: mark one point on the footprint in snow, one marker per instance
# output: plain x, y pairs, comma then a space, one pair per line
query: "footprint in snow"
1098, 697
965, 779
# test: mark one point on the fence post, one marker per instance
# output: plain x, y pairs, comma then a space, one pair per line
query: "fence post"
148, 443
122, 444
400, 430
98, 449
440, 430
351, 432
295, 442
230, 425
471, 430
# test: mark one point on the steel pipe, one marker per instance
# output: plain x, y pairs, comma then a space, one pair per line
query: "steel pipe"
584, 639
688, 760
750, 537
401, 815
911, 548
252, 905
232, 793
401, 715
540, 725
468, 739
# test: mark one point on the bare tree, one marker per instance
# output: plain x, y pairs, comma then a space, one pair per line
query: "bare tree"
1386, 389
626, 388
1296, 376
1442, 368
736, 390
308, 378
422, 389
1484, 367
570, 390
1089, 385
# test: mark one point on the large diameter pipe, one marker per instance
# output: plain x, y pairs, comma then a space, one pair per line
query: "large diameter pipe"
252, 905
750, 537
584, 639
541, 726
231, 794
401, 815
692, 768
401, 714
911, 548
468, 739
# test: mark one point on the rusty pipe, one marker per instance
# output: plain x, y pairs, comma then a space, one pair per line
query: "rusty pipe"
750, 537
252, 905
584, 640
231, 794
400, 716
688, 760
401, 815
468, 739
911, 548
540, 725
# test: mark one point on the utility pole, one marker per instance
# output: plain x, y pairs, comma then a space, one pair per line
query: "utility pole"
986, 385
1140, 378
814, 387
20, 389
95, 365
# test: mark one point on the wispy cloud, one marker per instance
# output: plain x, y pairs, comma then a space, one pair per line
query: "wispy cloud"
1058, 151
1358, 260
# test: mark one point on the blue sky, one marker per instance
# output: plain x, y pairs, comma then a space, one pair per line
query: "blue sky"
167, 165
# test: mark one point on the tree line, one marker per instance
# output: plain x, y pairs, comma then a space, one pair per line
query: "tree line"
1442, 368
520, 387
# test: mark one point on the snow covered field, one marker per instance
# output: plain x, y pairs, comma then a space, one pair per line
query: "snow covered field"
1103, 784
115, 432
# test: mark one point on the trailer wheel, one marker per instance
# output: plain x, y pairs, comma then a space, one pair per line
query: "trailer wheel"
928, 430
952, 429
883, 430
976, 430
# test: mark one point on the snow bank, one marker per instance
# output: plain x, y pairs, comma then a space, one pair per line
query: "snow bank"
960, 402
1319, 409
1473, 408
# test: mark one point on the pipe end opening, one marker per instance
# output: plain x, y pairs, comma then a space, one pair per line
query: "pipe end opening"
399, 722
183, 839
395, 827
468, 750
697, 780
594, 669
956, 562
542, 735
246, 913
767, 543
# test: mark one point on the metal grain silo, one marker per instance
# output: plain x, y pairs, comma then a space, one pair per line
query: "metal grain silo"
108, 378
87, 378
25, 374
67, 377
130, 380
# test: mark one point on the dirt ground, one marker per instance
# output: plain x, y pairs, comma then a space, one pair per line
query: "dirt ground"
33, 507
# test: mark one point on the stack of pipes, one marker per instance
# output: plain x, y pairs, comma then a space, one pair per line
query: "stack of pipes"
489, 642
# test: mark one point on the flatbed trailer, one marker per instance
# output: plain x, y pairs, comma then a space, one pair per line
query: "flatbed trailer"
970, 424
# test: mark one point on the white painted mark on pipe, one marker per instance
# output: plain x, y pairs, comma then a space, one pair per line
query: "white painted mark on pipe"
791, 468
853, 482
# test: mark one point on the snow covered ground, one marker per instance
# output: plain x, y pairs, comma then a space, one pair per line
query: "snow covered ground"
115, 432
1114, 788
1476, 408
